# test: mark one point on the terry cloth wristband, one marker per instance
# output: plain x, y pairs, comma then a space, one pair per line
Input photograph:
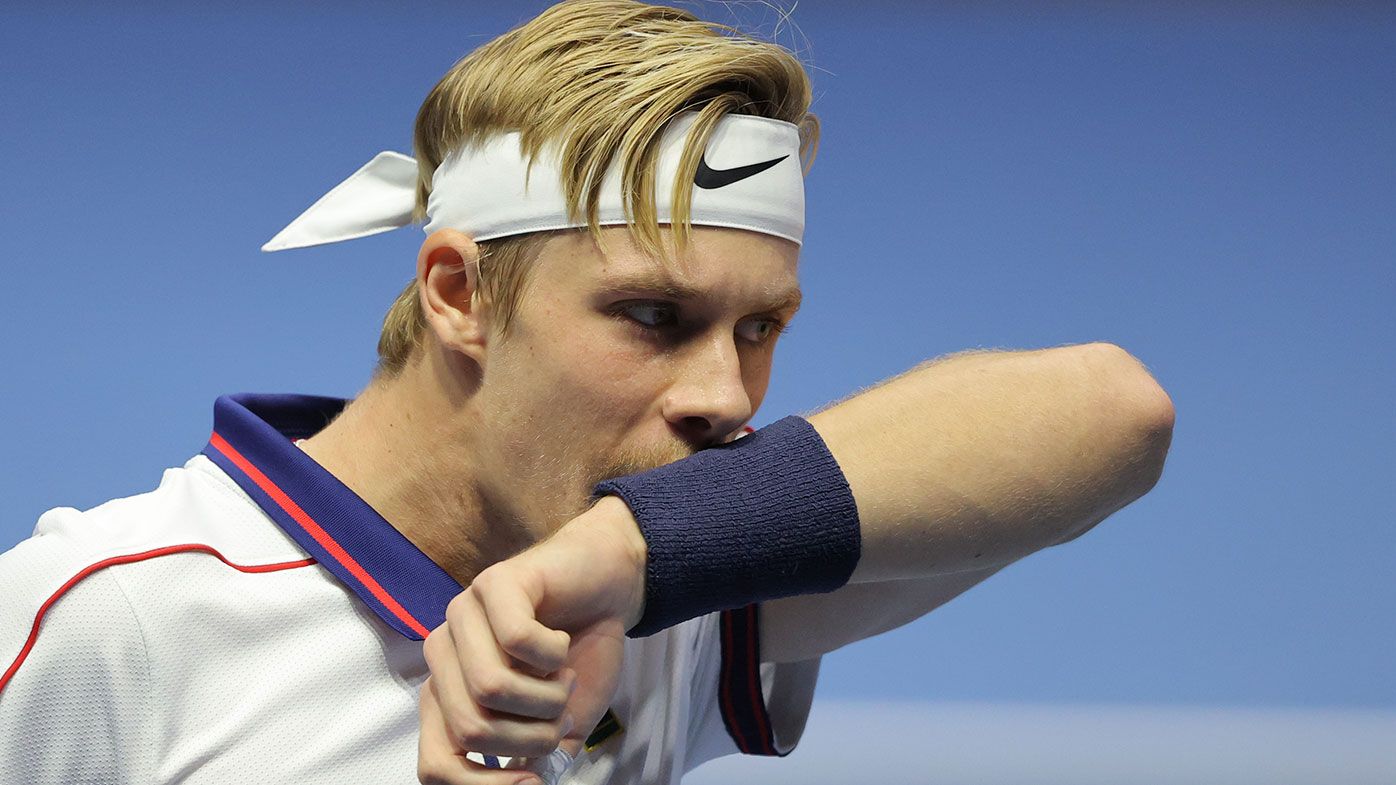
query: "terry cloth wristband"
766, 516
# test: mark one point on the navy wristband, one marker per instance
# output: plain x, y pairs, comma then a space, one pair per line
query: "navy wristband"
766, 516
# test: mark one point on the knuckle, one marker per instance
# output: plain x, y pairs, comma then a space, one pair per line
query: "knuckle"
539, 747
562, 640
431, 647
553, 737
469, 733
456, 607
486, 580
433, 767
429, 773
513, 635
488, 688
551, 702
440, 658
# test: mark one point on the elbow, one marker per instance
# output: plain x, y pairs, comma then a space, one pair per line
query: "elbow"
1132, 429
1142, 417
1155, 429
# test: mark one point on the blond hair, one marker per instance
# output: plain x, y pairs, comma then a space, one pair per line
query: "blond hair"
599, 79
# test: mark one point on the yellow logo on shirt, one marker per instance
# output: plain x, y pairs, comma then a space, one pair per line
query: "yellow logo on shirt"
608, 726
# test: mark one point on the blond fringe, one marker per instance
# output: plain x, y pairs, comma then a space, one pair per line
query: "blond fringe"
599, 79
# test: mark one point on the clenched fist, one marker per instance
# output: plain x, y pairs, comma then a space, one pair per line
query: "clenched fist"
530, 654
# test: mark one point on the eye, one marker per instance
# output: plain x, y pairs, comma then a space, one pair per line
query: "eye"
650, 314
760, 330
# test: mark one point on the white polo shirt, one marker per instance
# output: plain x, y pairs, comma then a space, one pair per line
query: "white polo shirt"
254, 620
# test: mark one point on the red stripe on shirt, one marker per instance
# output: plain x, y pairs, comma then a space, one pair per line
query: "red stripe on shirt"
320, 535
127, 559
724, 691
758, 701
739, 689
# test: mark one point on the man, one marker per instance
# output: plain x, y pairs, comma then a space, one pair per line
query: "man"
614, 205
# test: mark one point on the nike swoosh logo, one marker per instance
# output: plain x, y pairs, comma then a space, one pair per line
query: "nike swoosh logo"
708, 177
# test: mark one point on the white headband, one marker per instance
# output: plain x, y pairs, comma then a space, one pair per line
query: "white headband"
750, 177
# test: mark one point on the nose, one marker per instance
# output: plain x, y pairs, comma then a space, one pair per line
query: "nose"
708, 398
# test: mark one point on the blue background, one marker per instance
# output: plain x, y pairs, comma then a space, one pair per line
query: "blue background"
1211, 186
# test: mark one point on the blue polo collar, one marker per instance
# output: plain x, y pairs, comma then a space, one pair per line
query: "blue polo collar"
252, 441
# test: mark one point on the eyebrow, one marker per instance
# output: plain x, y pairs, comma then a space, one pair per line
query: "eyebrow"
661, 282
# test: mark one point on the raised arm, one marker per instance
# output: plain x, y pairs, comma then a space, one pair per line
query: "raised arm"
957, 468
979, 459
968, 463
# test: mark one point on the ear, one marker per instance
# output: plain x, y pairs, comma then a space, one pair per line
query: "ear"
448, 279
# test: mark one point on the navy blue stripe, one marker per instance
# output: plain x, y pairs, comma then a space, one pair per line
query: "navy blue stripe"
724, 685
260, 428
741, 664
307, 542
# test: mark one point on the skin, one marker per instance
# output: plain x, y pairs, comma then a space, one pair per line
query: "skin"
605, 370
491, 440
484, 450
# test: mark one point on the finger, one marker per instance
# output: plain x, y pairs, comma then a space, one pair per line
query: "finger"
599, 654
447, 680
470, 727
491, 680
500, 734
475, 728
440, 762
511, 615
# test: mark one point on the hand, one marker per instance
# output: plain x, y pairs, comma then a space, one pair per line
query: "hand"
530, 654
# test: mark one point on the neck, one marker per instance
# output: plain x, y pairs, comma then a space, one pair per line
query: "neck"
410, 447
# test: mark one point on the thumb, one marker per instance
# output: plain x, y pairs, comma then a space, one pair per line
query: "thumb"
596, 655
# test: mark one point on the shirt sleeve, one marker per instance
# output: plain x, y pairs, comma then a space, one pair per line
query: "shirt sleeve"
74, 676
741, 704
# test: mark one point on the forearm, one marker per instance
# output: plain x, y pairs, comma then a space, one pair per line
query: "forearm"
979, 459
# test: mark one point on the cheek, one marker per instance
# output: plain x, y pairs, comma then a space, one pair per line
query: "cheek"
591, 375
